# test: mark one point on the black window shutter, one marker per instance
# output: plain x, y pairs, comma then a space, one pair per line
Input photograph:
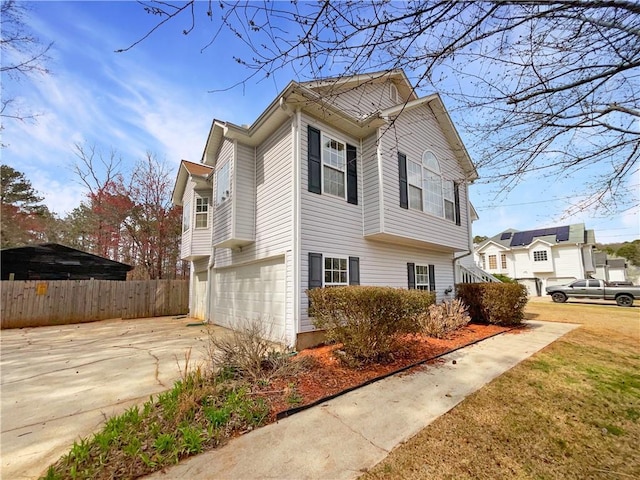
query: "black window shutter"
315, 270
432, 278
456, 199
402, 172
352, 175
354, 271
314, 161
411, 274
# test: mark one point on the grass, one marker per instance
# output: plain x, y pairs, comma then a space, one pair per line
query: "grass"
570, 411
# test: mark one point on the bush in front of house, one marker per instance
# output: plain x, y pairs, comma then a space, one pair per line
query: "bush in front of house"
367, 321
496, 303
443, 318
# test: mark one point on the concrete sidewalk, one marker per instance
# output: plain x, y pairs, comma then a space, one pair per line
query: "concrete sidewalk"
341, 438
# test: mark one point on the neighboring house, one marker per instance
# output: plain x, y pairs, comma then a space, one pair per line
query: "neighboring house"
610, 269
51, 261
539, 258
343, 181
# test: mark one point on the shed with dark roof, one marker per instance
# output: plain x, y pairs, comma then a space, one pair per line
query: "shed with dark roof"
52, 261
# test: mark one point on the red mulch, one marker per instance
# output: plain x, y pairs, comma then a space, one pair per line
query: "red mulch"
328, 376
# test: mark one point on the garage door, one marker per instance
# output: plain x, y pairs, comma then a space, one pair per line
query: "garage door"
255, 291
200, 297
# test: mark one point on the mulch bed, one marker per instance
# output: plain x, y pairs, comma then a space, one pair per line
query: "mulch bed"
326, 376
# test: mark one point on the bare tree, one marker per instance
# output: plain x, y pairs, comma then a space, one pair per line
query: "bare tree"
547, 87
23, 55
153, 223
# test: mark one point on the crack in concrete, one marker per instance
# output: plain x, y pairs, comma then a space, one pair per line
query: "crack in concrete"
355, 431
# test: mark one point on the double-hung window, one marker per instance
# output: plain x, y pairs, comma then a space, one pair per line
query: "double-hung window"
414, 177
449, 200
202, 212
503, 261
422, 277
432, 182
223, 184
493, 262
335, 271
334, 162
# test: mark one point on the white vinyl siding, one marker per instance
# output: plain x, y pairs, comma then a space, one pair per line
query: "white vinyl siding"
371, 185
196, 242
273, 202
335, 228
415, 132
244, 203
359, 101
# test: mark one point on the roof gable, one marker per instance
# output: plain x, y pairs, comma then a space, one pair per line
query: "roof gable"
185, 170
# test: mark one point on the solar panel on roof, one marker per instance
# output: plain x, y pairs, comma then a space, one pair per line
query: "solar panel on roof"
517, 239
505, 236
562, 234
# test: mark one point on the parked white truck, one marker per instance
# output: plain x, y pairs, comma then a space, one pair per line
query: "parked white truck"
595, 289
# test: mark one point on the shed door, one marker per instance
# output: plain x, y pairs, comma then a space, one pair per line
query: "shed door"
248, 292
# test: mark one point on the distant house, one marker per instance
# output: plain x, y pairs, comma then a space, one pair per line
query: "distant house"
539, 258
51, 261
610, 269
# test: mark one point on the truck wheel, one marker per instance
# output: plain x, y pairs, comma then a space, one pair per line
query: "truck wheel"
559, 297
624, 300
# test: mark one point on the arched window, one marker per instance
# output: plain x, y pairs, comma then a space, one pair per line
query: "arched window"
428, 191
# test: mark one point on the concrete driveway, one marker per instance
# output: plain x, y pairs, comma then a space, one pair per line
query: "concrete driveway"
60, 383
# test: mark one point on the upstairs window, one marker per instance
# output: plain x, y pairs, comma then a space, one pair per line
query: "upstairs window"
334, 162
202, 212
223, 184
186, 217
423, 188
393, 93
540, 256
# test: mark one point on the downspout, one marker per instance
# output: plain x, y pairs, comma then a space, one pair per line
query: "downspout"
470, 240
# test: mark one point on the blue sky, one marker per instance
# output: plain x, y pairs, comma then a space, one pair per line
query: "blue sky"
158, 98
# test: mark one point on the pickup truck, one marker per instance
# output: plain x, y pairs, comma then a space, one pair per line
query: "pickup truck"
598, 289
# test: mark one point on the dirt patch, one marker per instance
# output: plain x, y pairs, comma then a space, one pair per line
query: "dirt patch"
325, 376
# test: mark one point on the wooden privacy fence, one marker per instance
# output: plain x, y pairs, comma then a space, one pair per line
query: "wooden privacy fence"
36, 303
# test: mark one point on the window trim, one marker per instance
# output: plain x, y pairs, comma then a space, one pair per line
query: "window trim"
221, 200
430, 174
323, 137
186, 217
422, 285
539, 254
204, 203
324, 270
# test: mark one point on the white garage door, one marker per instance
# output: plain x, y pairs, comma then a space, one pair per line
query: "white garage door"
255, 291
200, 295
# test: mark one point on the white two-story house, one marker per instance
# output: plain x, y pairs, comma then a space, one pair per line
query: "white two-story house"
343, 181
540, 258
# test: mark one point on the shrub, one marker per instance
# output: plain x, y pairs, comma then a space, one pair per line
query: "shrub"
367, 321
497, 303
248, 353
444, 318
503, 278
